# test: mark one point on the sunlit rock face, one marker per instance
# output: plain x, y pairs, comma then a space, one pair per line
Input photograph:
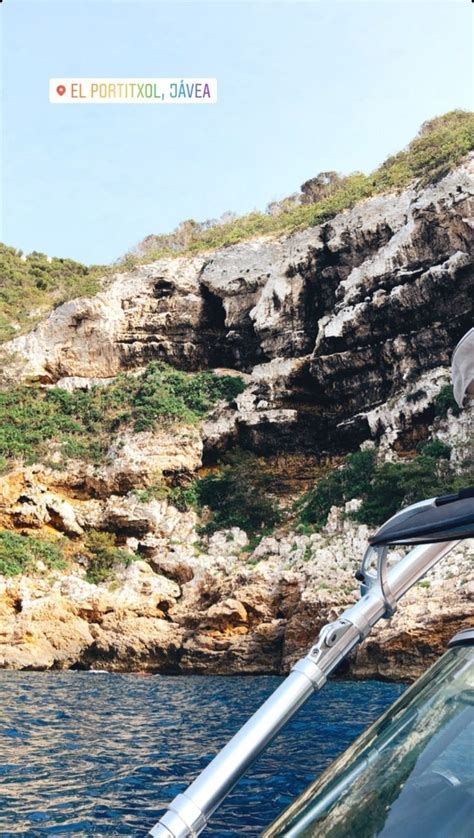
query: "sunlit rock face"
217, 610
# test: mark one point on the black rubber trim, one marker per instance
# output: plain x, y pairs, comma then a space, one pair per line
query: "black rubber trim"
447, 518
463, 638
461, 495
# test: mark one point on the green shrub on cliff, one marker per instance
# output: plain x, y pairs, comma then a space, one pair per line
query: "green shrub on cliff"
34, 282
103, 555
395, 485
384, 488
434, 448
182, 497
337, 487
239, 495
21, 554
82, 422
166, 393
441, 143
445, 401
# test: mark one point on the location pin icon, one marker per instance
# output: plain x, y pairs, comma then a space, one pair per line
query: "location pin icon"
60, 89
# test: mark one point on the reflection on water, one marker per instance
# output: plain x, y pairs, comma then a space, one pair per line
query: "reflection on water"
92, 754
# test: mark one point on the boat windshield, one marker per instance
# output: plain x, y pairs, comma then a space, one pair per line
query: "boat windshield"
412, 770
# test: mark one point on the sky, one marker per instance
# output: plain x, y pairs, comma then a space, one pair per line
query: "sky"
303, 87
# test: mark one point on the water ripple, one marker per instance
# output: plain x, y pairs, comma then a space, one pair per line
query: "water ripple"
91, 754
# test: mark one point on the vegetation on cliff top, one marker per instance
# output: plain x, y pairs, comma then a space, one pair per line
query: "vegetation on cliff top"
30, 285
439, 146
82, 422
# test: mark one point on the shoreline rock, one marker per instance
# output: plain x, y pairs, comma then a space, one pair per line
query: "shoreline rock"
225, 612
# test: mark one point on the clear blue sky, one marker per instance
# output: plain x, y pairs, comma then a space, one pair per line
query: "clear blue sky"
303, 87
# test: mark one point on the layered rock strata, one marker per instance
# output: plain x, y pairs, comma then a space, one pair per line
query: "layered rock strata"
330, 322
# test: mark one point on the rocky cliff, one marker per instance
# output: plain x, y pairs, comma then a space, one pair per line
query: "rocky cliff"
343, 334
331, 322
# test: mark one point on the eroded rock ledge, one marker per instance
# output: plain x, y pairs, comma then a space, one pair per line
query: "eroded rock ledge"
226, 611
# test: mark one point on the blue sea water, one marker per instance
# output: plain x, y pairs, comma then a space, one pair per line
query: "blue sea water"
92, 754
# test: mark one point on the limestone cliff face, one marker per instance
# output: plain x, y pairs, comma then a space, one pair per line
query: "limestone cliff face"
330, 322
332, 328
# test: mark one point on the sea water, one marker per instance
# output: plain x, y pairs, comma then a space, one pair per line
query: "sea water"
92, 754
